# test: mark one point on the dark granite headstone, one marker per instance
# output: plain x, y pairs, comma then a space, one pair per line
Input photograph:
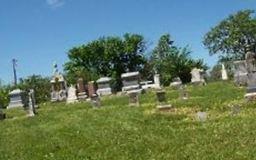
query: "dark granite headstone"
91, 89
81, 89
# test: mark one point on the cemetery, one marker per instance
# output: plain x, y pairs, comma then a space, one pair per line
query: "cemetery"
120, 97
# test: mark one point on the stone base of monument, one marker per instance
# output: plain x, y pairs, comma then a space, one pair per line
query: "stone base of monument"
82, 96
130, 88
164, 107
58, 96
199, 83
72, 100
250, 96
104, 91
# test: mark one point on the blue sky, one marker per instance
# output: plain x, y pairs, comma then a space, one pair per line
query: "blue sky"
39, 32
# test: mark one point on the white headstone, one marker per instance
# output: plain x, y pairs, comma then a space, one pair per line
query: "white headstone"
72, 98
197, 76
157, 81
224, 74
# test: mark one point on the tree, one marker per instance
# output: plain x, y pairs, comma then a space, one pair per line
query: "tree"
4, 95
171, 61
107, 56
41, 86
231, 36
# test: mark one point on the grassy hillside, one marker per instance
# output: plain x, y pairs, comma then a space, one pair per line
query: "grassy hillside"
117, 131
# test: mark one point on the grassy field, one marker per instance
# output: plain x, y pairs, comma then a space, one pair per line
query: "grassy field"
117, 131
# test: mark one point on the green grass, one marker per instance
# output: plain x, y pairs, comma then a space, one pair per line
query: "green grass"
117, 131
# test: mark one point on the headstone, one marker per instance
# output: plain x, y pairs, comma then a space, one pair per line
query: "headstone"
18, 98
251, 75
104, 86
201, 116
130, 81
72, 98
95, 101
31, 105
162, 102
176, 83
134, 98
224, 74
157, 81
59, 86
240, 73
197, 76
81, 89
91, 89
183, 93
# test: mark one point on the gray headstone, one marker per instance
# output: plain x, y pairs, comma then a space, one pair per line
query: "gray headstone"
31, 105
134, 98
130, 81
95, 101
104, 86
18, 98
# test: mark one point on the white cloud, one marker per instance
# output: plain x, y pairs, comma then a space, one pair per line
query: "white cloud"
55, 3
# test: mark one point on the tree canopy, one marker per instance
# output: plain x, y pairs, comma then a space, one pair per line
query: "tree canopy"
232, 35
171, 61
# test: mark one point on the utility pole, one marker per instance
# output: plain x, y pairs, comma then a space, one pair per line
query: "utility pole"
14, 65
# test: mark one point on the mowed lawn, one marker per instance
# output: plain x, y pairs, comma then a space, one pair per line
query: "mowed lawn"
117, 131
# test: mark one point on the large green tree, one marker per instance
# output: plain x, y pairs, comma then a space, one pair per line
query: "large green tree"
170, 61
107, 56
232, 35
41, 86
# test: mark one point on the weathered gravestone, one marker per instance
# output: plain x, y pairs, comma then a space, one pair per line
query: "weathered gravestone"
197, 76
81, 89
157, 81
104, 86
59, 86
130, 81
95, 101
72, 98
31, 105
240, 73
162, 102
18, 98
224, 74
251, 75
183, 93
134, 98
